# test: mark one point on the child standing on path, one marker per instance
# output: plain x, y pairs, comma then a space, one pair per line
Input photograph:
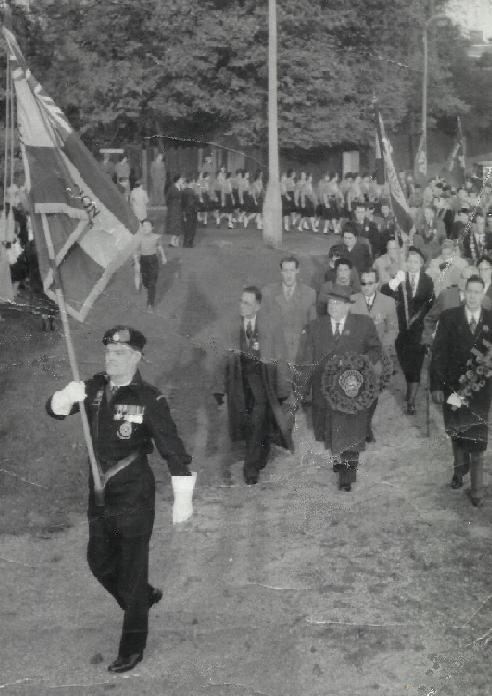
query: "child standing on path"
147, 261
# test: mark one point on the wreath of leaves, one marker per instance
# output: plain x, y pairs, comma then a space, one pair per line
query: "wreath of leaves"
334, 367
478, 371
387, 371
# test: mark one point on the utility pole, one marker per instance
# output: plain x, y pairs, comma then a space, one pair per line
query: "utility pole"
272, 206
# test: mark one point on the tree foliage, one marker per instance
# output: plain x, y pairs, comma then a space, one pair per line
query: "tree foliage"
198, 68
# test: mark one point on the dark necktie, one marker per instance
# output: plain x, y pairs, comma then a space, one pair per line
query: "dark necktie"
249, 330
338, 333
412, 284
369, 304
473, 325
111, 390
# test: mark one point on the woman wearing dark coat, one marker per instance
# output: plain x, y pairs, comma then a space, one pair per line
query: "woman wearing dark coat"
174, 220
413, 293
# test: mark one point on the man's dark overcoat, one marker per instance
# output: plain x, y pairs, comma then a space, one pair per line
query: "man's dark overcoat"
339, 431
272, 375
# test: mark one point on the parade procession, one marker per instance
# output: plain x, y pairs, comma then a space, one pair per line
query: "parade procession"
246, 347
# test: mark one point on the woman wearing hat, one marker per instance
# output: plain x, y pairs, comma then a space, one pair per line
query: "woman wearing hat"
413, 292
337, 334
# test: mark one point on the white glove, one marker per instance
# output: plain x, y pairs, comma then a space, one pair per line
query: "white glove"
395, 282
183, 497
63, 400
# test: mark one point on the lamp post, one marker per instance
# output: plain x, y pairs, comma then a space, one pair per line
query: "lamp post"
425, 78
272, 206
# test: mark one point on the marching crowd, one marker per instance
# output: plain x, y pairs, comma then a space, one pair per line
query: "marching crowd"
384, 292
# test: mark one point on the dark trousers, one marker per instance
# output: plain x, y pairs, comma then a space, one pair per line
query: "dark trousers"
257, 428
466, 461
190, 224
370, 414
347, 473
118, 556
149, 269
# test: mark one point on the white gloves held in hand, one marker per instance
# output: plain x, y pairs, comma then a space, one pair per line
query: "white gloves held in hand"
183, 497
395, 282
63, 400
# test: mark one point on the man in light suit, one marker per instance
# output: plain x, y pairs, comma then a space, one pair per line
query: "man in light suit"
382, 310
291, 304
445, 270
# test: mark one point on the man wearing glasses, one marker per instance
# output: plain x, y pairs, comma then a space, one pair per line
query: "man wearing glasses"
382, 310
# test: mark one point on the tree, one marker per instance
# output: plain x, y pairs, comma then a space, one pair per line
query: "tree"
197, 68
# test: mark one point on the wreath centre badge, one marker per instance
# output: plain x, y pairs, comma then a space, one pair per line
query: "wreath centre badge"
125, 431
351, 381
349, 384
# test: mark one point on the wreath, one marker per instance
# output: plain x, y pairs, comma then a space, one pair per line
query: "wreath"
348, 383
387, 371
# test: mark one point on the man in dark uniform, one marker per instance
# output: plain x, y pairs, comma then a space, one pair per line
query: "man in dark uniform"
125, 414
460, 331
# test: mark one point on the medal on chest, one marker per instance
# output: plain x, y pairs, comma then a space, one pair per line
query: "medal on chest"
124, 431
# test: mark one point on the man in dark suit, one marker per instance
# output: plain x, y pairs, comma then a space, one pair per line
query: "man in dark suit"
368, 230
358, 252
413, 292
476, 241
251, 370
338, 333
462, 331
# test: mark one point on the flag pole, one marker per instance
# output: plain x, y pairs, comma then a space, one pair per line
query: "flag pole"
72, 359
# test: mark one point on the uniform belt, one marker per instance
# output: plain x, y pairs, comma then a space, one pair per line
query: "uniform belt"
117, 466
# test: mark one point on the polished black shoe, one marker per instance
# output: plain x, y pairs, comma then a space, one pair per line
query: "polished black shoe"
347, 487
457, 481
155, 596
125, 664
370, 437
411, 411
476, 502
250, 480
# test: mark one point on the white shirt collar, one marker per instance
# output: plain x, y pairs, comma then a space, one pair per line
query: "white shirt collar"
370, 300
117, 386
341, 324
